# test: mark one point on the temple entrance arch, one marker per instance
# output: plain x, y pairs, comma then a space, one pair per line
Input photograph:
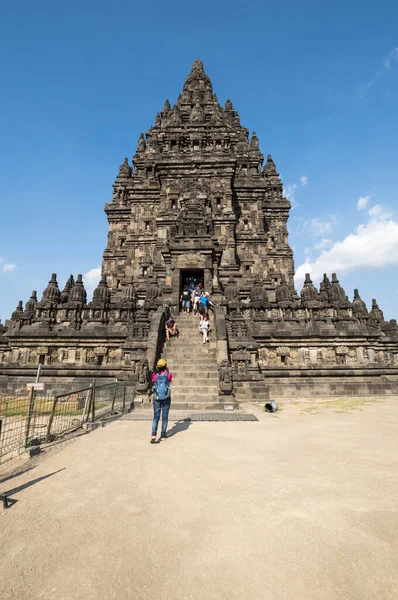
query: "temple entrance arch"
192, 264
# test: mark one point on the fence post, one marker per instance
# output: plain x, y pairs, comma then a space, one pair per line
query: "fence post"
30, 414
93, 403
124, 394
114, 396
50, 420
87, 404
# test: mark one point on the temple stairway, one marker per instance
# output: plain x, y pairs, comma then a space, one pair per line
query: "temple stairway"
194, 367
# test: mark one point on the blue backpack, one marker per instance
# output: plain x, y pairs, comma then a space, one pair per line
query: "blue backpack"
162, 387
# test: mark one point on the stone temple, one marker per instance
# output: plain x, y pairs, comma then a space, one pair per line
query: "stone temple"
199, 201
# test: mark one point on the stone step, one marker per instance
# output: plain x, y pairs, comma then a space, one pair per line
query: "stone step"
194, 337
191, 347
196, 382
217, 405
178, 388
205, 351
182, 397
206, 379
188, 367
189, 357
194, 371
194, 378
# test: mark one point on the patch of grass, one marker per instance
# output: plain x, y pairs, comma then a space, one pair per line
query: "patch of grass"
340, 405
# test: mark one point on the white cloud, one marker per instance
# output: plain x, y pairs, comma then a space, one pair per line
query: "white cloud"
290, 192
378, 212
363, 202
91, 279
8, 267
319, 228
391, 58
374, 245
323, 243
386, 63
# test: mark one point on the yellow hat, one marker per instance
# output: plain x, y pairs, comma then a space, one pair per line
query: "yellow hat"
162, 363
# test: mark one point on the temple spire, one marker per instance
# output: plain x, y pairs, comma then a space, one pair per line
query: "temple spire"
197, 79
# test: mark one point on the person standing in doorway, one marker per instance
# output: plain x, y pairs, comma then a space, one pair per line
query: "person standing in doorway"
191, 285
161, 381
196, 297
185, 300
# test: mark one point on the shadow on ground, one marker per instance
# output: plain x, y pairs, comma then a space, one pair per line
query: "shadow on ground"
26, 485
179, 427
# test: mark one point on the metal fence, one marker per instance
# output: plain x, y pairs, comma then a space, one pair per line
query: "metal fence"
31, 418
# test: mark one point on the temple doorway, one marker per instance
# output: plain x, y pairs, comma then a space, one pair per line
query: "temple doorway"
187, 274
197, 275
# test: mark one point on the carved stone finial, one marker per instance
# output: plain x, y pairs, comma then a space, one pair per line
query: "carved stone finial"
125, 169
336, 293
197, 78
17, 312
257, 292
270, 167
166, 106
231, 291
128, 293
52, 293
323, 293
376, 313
358, 305
141, 143
283, 292
326, 281
254, 143
78, 293
68, 286
197, 65
228, 104
175, 116
309, 291
31, 304
102, 293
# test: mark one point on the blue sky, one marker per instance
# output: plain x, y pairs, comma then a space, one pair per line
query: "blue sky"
317, 81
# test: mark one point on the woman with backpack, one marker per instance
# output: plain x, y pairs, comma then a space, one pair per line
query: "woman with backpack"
161, 381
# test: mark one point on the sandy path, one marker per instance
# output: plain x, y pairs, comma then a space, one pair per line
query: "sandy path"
295, 506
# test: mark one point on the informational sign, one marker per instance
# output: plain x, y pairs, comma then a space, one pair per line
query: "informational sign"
138, 400
35, 386
228, 407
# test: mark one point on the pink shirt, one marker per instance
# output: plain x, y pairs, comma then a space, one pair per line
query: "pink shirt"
154, 375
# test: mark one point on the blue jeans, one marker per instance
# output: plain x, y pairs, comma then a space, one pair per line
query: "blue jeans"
163, 407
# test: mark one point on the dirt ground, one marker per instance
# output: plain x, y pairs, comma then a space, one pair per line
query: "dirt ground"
299, 505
